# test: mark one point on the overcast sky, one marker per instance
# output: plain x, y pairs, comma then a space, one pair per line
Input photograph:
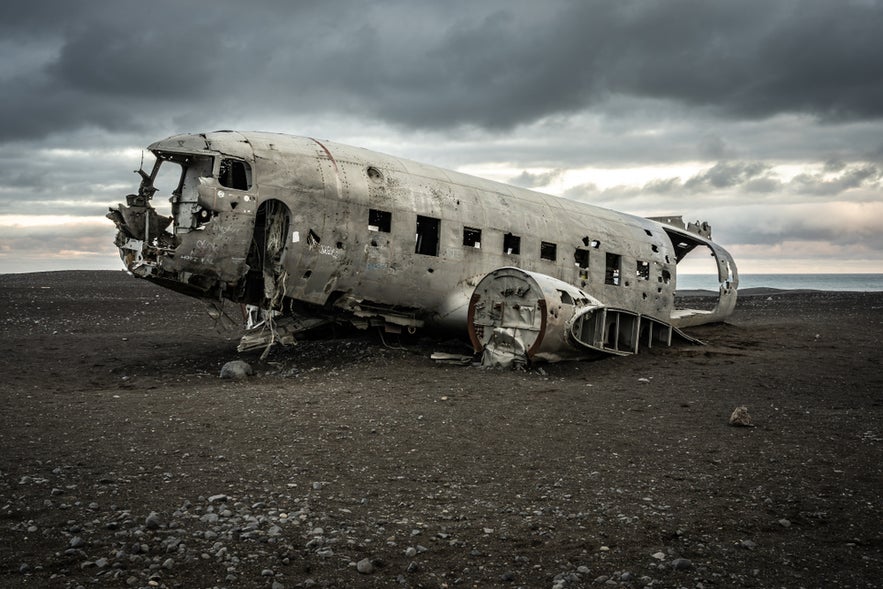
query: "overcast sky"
763, 118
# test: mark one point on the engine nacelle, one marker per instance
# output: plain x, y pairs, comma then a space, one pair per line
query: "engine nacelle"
516, 316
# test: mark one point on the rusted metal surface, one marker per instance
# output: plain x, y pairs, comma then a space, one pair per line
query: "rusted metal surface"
315, 230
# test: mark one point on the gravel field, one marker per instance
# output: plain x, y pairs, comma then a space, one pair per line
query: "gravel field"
125, 461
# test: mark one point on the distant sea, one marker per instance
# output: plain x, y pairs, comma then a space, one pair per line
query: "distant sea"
850, 282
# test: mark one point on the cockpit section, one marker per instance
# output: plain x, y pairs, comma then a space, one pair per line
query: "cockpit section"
190, 224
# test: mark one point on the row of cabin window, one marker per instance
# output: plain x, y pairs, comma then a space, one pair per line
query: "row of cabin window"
427, 242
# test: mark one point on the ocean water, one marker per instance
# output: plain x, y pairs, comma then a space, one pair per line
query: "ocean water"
841, 282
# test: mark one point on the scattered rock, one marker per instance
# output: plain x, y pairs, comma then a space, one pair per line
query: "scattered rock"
681, 564
236, 370
741, 418
365, 567
153, 521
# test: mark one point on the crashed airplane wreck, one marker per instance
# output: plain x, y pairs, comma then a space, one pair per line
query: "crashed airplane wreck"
303, 232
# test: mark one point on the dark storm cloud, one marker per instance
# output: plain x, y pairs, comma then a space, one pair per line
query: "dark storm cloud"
848, 178
727, 175
115, 65
566, 85
530, 180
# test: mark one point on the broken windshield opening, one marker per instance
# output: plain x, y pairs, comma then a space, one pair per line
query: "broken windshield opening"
175, 184
168, 179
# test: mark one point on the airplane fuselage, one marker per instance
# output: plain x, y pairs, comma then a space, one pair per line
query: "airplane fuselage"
271, 219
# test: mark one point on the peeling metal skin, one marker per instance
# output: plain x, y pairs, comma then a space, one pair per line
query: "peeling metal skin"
311, 231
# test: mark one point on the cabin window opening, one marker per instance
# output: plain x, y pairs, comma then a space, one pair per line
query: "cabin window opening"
565, 297
643, 272
548, 251
613, 269
511, 244
595, 244
648, 232
666, 276
427, 236
581, 260
472, 237
379, 220
235, 174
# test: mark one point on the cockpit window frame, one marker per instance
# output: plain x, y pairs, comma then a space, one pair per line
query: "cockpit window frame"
240, 175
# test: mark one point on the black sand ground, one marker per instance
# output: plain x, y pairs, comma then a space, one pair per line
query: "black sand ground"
344, 452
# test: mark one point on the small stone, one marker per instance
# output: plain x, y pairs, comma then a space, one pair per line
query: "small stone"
277, 585
168, 563
747, 544
267, 573
681, 564
740, 417
24, 568
101, 563
236, 370
76, 542
507, 577
365, 567
784, 523
658, 555
218, 497
411, 552
152, 521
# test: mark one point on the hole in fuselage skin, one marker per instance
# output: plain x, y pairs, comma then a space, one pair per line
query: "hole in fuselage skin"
308, 273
